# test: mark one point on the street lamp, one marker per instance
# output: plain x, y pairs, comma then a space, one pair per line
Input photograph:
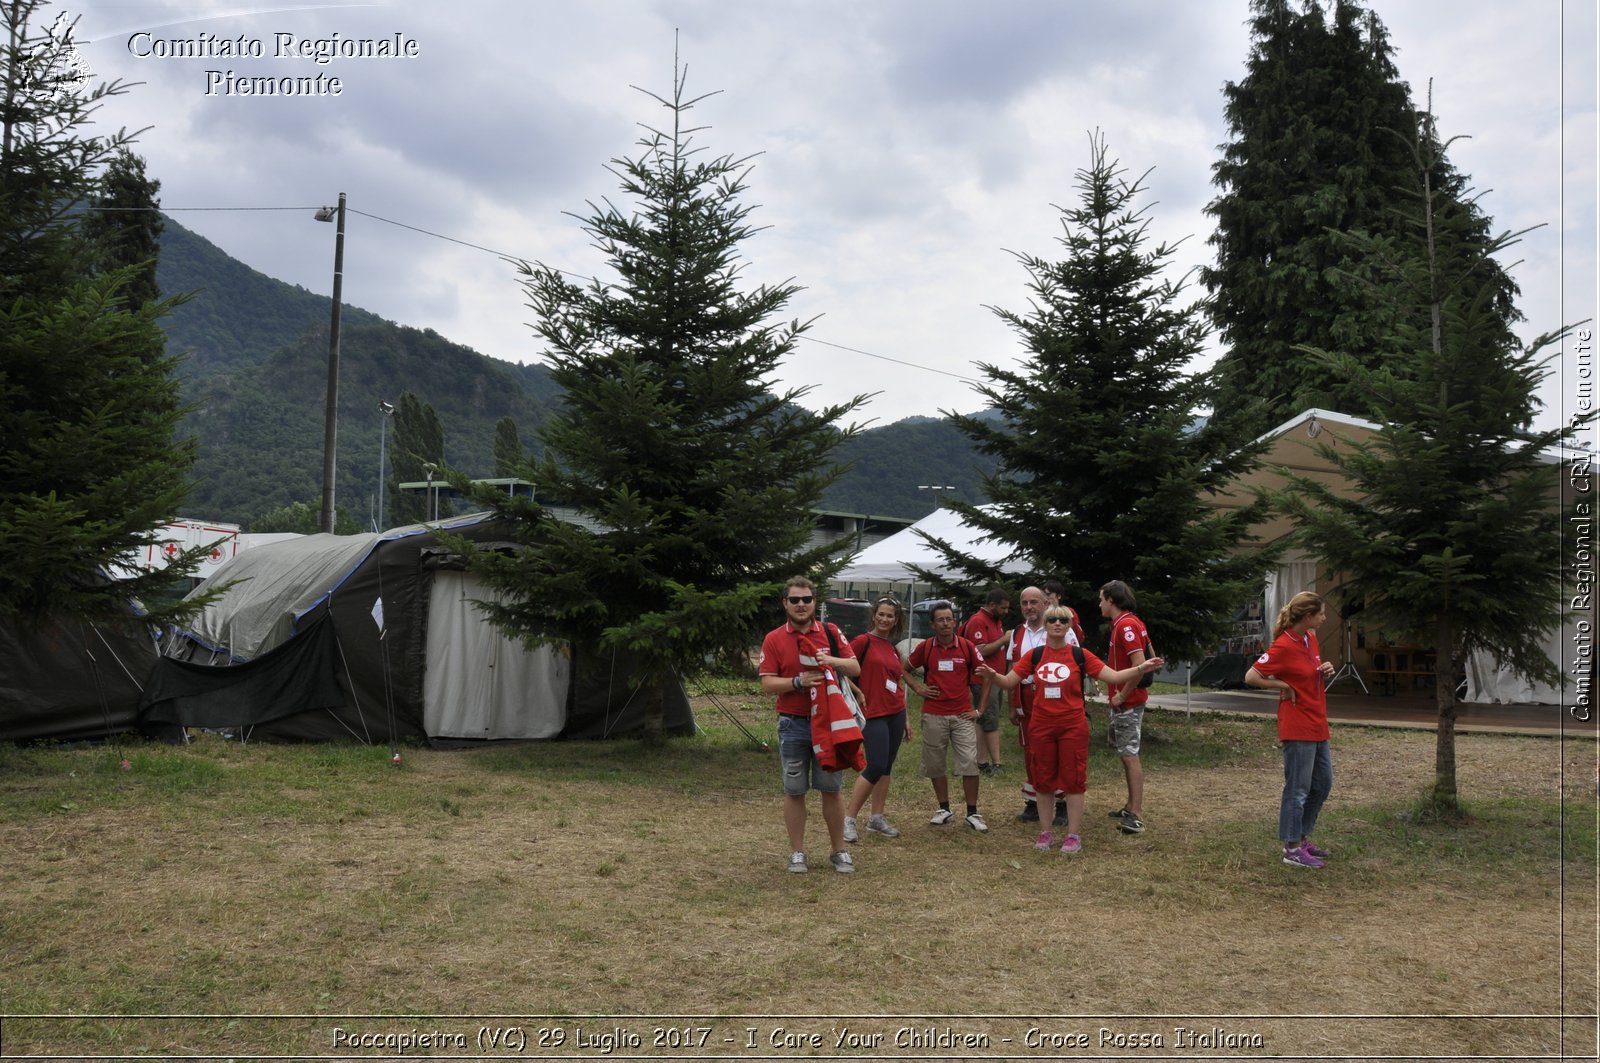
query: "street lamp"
386, 408
430, 500
330, 419
936, 488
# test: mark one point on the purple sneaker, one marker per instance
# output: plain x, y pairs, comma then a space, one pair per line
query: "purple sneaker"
1307, 846
1299, 857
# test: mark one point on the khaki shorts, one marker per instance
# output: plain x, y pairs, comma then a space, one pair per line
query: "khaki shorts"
1124, 731
940, 733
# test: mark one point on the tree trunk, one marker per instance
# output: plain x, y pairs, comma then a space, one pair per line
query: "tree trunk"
1443, 802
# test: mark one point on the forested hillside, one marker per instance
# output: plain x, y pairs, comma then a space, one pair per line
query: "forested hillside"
256, 370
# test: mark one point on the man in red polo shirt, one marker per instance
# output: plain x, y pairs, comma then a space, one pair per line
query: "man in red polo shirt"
986, 630
1130, 643
790, 673
948, 664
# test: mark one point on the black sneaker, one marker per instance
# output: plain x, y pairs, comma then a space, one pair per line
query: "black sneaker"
1061, 815
1131, 824
1119, 813
1030, 813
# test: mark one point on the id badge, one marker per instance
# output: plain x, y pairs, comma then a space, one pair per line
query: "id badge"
1052, 692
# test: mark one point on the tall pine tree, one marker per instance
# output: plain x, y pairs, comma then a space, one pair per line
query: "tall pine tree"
1449, 528
694, 482
507, 447
89, 467
416, 443
1313, 150
126, 225
1102, 469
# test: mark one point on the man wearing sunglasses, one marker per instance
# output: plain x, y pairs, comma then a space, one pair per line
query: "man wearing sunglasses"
789, 673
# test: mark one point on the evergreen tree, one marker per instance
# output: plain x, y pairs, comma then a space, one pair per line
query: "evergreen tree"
1449, 531
126, 225
416, 443
693, 482
507, 448
1102, 471
1312, 151
89, 469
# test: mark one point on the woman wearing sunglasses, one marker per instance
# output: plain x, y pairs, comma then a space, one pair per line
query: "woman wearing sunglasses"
1058, 729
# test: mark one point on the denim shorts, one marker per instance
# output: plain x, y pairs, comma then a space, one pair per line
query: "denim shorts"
798, 762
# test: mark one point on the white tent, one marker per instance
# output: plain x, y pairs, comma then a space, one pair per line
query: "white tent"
890, 560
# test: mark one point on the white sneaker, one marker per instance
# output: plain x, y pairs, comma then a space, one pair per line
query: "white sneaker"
976, 822
941, 817
797, 863
850, 834
843, 863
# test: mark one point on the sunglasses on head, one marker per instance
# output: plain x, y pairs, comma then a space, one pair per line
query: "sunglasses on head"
801, 599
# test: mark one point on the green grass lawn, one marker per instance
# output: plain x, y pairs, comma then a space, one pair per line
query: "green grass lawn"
637, 878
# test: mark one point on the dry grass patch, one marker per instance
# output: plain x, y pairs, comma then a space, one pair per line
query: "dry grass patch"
639, 879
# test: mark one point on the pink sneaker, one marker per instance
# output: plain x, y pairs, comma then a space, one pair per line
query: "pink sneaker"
1307, 846
1071, 845
1298, 857
1045, 838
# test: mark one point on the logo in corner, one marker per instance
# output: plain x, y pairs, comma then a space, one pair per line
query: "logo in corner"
53, 66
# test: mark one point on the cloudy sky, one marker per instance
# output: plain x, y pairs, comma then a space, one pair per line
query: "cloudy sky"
906, 147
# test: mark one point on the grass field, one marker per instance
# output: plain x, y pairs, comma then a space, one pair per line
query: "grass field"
311, 900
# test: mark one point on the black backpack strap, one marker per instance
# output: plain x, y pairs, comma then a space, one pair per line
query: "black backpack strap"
1077, 655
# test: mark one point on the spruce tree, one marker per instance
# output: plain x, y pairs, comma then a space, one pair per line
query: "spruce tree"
1312, 151
1102, 471
89, 468
693, 481
1449, 528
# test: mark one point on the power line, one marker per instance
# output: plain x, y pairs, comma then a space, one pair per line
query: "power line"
506, 256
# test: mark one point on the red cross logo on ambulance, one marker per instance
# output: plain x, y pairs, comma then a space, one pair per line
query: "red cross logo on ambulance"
171, 550
1052, 672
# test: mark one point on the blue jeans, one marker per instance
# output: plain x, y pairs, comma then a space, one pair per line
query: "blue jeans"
1307, 781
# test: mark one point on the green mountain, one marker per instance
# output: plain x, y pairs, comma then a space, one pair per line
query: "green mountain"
256, 371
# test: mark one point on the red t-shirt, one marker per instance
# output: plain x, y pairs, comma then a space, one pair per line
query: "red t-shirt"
948, 671
780, 655
1298, 662
982, 628
882, 675
1057, 686
1128, 634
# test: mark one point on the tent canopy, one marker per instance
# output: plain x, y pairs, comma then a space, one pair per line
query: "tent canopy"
380, 637
891, 560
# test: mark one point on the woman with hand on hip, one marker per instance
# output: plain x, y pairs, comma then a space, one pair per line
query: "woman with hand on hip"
883, 684
1293, 666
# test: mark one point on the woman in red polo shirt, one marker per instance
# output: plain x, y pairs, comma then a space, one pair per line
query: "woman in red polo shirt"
1293, 666
1058, 730
883, 683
